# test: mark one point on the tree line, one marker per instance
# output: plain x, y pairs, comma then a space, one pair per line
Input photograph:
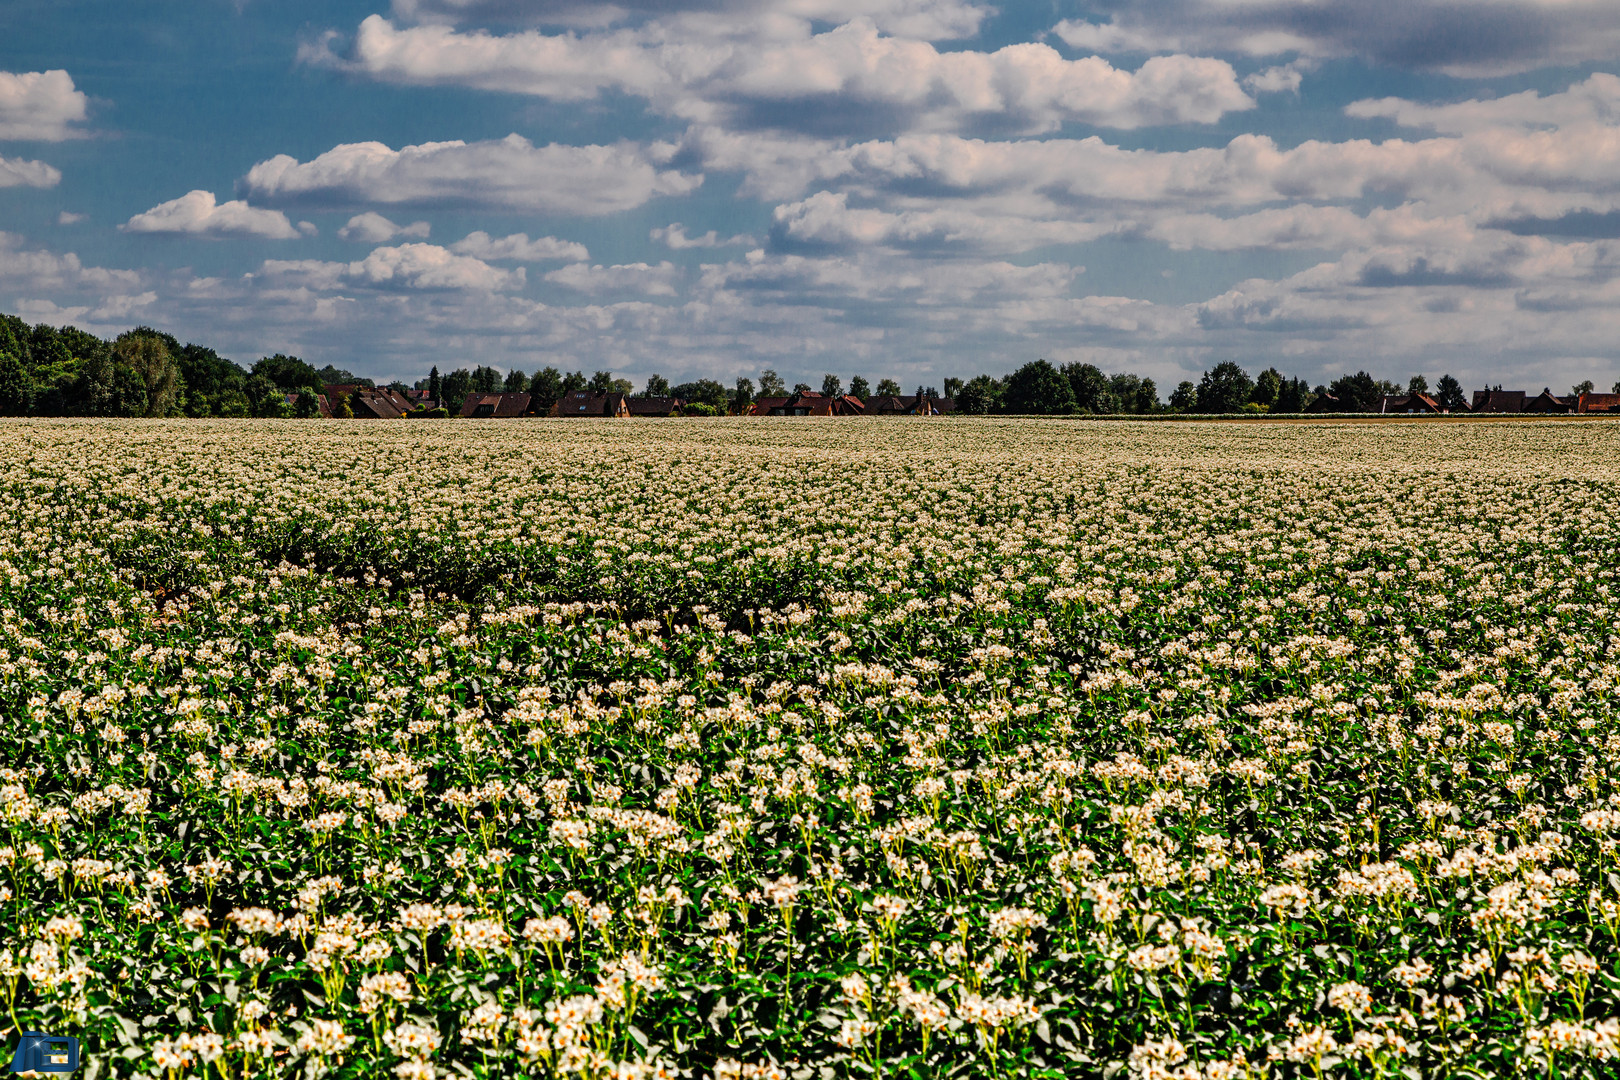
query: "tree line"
50, 371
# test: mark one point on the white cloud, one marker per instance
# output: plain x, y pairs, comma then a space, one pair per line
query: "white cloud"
673, 236
510, 173
853, 75
1594, 102
659, 280
931, 20
1285, 79
519, 248
826, 219
372, 228
17, 172
197, 214
40, 105
67, 217
408, 266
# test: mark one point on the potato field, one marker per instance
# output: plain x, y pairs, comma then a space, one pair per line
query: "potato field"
812, 749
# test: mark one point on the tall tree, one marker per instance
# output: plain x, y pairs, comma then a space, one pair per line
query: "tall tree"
457, 385
435, 386
1293, 396
1584, 387
742, 397
979, 395
888, 388
574, 380
601, 383
485, 379
149, 357
544, 389
16, 386
1038, 388
287, 372
1089, 388
859, 387
704, 392
832, 385
1448, 392
771, 384
1225, 388
1416, 385
1267, 385
1357, 393
1184, 398
516, 382
953, 386
657, 386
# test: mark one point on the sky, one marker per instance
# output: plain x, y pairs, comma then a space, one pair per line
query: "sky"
912, 189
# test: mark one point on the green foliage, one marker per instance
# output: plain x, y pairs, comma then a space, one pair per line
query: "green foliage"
150, 356
1038, 388
859, 387
706, 392
516, 382
485, 379
832, 385
1357, 393
574, 380
1089, 389
1225, 388
1293, 396
771, 384
457, 385
545, 388
1184, 398
16, 386
1268, 387
657, 386
979, 395
888, 388
287, 372
742, 395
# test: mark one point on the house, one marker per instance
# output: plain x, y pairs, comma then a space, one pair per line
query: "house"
585, 403
1409, 404
1548, 402
501, 406
763, 406
369, 403
1325, 403
1498, 401
654, 406
888, 405
1598, 403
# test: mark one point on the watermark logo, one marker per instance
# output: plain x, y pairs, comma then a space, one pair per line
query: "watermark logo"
39, 1052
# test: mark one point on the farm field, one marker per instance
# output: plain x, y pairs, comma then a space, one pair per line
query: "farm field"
734, 749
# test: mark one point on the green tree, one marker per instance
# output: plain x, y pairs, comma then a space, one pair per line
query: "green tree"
1089, 388
207, 377
953, 386
657, 386
1293, 396
457, 385
485, 379
436, 385
307, 405
1267, 386
1417, 384
516, 382
574, 380
979, 395
16, 386
264, 396
1038, 388
771, 384
832, 386
1357, 393
859, 387
148, 355
801, 388
331, 375
1448, 393
601, 383
888, 388
703, 391
1225, 388
287, 372
544, 389
742, 398
1585, 387
1184, 398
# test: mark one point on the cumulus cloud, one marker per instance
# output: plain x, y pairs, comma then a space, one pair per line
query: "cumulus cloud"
648, 280
372, 228
197, 214
673, 236
509, 174
42, 105
68, 217
848, 78
826, 220
519, 248
1592, 102
1480, 37
18, 172
408, 266
931, 20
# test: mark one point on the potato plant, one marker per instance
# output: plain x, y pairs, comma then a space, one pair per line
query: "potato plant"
741, 749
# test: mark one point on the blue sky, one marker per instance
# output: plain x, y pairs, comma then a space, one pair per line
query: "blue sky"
905, 188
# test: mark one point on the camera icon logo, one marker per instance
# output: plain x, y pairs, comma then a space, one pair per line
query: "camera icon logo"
39, 1052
